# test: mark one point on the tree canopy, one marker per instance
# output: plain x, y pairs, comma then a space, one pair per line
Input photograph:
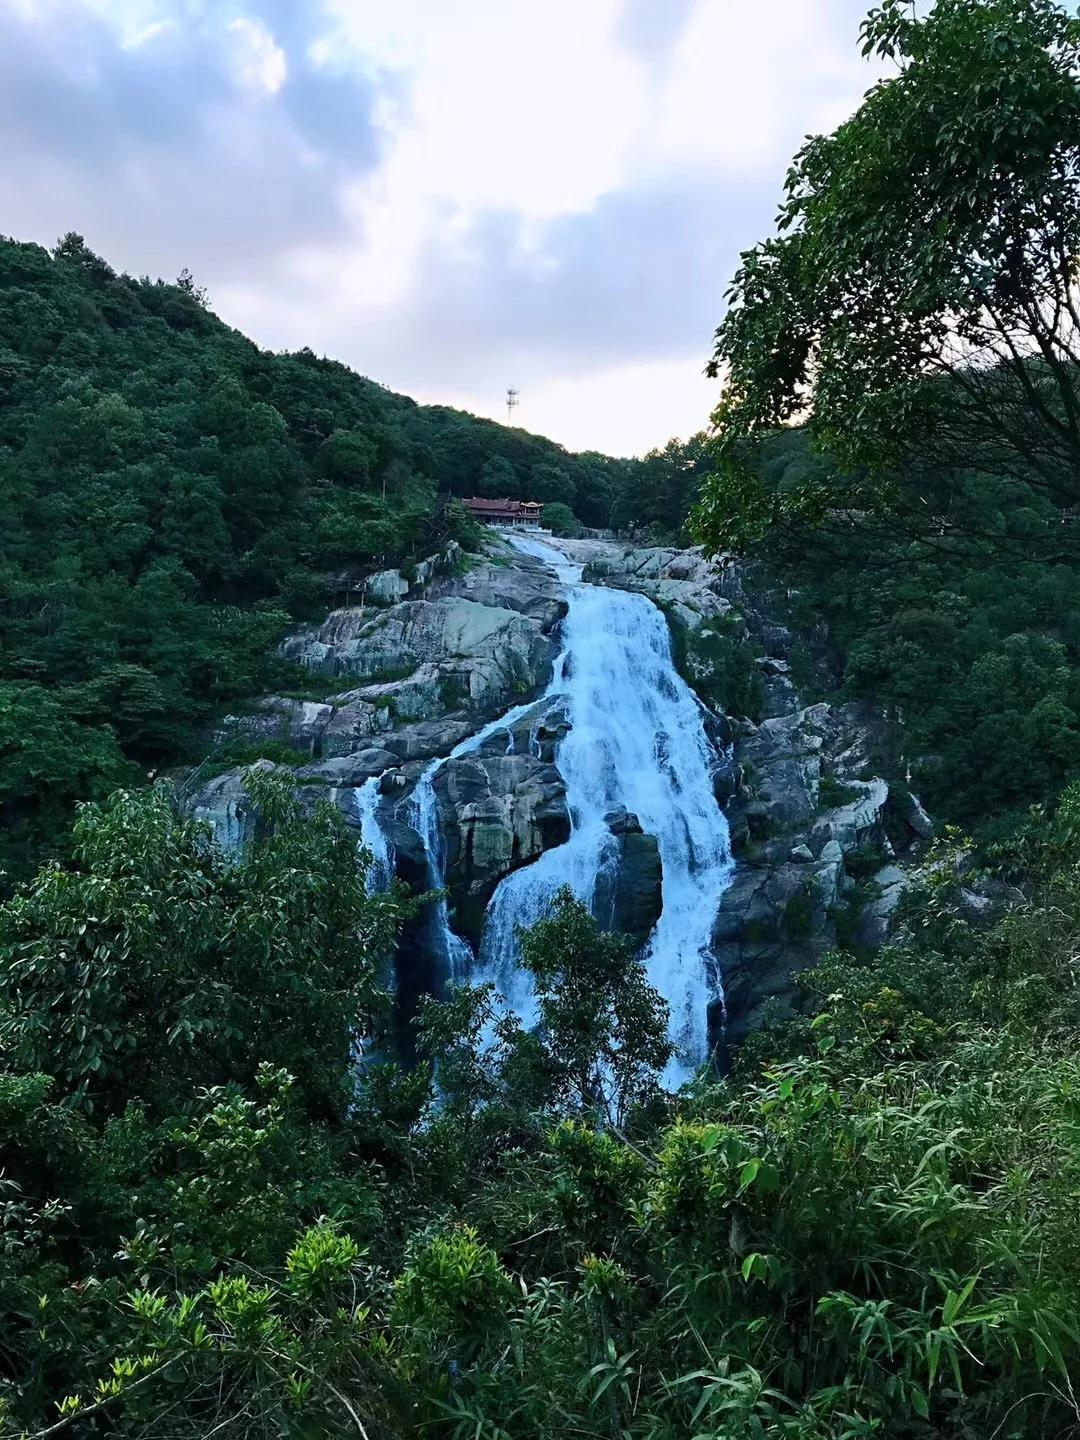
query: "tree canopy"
919, 300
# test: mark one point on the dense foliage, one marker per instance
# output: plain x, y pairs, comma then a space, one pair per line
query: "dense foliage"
918, 314
203, 1231
971, 653
225, 1210
171, 496
921, 296
657, 493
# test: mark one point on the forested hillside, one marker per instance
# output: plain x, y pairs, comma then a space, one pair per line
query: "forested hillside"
233, 1204
171, 496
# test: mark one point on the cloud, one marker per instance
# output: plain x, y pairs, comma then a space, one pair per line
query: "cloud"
452, 197
173, 139
257, 62
614, 409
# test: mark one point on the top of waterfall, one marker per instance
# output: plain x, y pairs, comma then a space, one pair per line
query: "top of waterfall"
567, 570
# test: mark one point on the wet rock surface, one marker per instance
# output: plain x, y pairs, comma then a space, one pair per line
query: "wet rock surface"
823, 846
636, 899
683, 582
517, 583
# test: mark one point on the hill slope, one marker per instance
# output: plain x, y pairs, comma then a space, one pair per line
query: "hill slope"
172, 495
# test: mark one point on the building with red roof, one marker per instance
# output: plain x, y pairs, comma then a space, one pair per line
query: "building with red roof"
504, 512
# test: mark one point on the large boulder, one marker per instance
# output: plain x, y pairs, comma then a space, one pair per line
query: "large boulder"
637, 893
392, 643
858, 821
518, 583
780, 765
876, 920
773, 922
223, 803
805, 828
478, 645
499, 811
683, 582
386, 588
422, 657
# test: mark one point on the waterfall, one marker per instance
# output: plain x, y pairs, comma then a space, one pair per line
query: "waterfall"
454, 952
372, 837
636, 740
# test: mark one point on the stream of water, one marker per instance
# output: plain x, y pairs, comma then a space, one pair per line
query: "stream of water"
373, 838
637, 740
455, 953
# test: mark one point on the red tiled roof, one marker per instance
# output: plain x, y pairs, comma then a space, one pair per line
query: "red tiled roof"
500, 507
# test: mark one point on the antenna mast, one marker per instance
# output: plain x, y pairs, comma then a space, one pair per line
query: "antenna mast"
511, 401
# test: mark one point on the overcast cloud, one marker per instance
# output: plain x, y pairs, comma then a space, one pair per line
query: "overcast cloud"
453, 196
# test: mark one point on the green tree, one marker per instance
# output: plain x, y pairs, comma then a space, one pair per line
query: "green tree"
921, 294
48, 761
659, 490
184, 966
550, 485
498, 480
602, 1026
561, 520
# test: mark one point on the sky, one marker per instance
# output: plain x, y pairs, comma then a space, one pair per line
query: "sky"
451, 196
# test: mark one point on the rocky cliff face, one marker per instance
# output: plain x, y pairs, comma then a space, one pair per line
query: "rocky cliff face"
819, 839
822, 844
682, 582
825, 845
434, 657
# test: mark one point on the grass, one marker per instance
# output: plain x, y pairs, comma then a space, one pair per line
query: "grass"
238, 752
834, 792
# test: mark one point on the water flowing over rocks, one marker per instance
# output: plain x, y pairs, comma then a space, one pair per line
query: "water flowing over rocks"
682, 582
499, 812
508, 730
823, 846
638, 765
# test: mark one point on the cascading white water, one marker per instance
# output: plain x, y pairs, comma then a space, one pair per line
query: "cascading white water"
455, 953
637, 741
372, 837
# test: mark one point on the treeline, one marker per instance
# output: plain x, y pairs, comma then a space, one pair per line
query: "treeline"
173, 496
215, 1220
917, 309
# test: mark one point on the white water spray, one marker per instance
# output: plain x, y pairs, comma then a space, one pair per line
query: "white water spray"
372, 837
637, 741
